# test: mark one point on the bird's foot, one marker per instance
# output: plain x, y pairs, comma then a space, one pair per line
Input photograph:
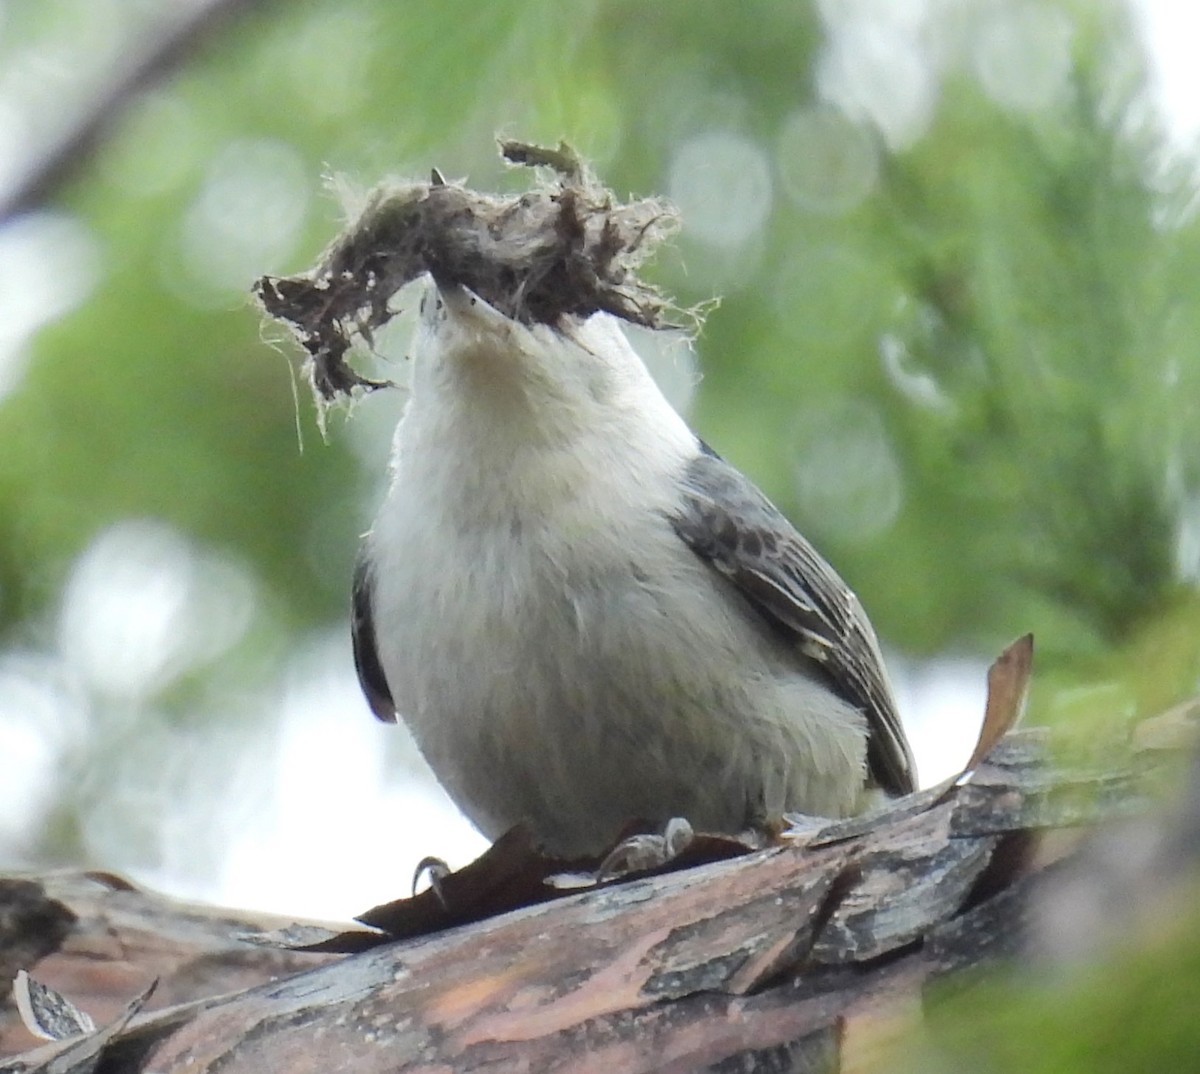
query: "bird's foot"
641, 852
436, 870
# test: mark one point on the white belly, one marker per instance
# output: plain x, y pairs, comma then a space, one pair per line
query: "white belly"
576, 679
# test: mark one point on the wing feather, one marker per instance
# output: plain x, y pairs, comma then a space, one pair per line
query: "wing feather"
366, 655
728, 522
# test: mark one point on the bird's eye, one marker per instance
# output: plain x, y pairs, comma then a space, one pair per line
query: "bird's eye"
439, 304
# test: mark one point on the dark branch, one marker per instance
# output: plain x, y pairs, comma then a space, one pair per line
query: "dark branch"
47, 173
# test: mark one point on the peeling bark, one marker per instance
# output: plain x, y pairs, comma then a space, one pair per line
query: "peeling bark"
797, 957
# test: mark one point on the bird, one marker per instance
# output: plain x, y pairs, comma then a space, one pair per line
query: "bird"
586, 616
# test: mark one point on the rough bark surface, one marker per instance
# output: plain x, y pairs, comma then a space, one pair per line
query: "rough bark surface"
803, 957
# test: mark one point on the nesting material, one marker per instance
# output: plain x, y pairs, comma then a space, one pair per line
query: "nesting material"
567, 247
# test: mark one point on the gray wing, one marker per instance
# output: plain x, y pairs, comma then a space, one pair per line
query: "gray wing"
366, 655
728, 522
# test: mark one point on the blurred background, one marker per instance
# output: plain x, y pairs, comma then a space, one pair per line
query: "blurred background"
957, 250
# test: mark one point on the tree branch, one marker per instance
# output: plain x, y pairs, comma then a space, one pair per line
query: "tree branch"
54, 166
792, 958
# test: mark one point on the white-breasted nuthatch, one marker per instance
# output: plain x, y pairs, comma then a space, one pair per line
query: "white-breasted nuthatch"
585, 616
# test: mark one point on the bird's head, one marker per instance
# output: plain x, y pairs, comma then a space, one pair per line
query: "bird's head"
467, 350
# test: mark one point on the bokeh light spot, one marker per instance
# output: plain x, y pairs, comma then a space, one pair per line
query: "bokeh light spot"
721, 182
917, 385
48, 265
847, 476
827, 164
246, 218
1023, 56
329, 60
875, 67
143, 606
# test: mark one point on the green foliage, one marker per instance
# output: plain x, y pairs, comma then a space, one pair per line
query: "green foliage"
959, 349
1015, 260
1134, 1010
963, 358
1004, 317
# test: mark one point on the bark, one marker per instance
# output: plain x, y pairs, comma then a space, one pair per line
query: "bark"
807, 956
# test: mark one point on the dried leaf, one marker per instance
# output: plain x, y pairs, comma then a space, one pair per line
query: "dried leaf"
511, 874
1008, 686
46, 1013
84, 1055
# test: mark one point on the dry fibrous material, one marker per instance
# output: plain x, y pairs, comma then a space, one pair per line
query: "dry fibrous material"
567, 247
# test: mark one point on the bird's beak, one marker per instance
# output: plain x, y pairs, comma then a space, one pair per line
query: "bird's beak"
471, 311
472, 320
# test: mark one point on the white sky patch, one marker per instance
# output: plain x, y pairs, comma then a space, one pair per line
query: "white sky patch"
339, 829
48, 265
1171, 30
941, 704
42, 716
144, 604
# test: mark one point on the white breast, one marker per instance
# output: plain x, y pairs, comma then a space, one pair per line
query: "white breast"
560, 655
